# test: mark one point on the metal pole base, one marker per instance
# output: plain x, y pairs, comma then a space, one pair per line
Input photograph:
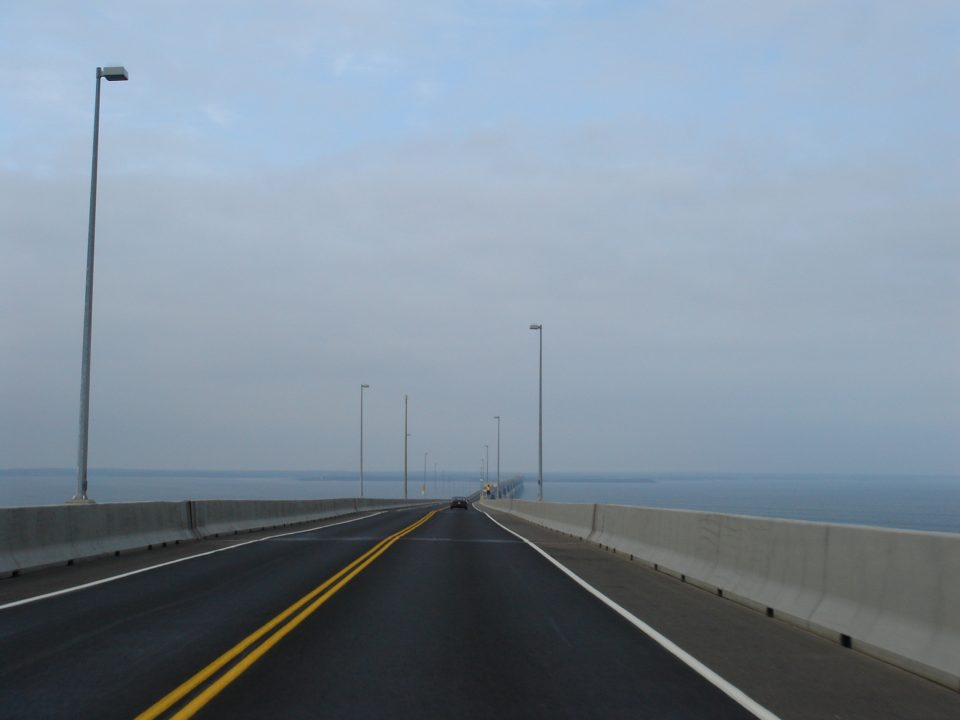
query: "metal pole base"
80, 500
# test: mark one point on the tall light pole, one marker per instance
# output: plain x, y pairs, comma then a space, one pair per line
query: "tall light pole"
497, 418
362, 388
110, 73
539, 329
405, 436
486, 478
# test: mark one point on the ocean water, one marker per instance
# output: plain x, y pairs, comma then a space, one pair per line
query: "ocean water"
911, 502
53, 486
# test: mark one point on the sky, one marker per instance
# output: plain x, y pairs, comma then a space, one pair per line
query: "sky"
737, 222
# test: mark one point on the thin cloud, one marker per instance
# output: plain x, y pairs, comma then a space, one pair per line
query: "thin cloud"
219, 115
376, 64
737, 235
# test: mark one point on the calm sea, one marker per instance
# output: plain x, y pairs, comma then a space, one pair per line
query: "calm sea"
912, 502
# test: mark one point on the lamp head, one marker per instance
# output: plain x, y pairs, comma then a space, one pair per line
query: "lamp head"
117, 72
536, 327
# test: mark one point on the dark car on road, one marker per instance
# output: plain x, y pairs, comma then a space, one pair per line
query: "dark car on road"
459, 502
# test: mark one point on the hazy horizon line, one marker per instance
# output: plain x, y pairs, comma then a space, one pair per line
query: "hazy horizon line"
413, 472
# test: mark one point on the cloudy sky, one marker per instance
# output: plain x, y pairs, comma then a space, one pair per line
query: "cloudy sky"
737, 221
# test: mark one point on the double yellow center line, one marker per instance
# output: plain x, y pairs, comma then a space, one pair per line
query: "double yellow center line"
272, 634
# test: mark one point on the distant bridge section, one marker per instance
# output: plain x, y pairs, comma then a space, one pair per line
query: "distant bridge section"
888, 593
506, 489
511, 488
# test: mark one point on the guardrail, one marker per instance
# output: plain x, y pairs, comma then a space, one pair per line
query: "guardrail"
41, 536
892, 594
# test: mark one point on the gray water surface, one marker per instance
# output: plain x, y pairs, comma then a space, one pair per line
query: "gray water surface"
902, 501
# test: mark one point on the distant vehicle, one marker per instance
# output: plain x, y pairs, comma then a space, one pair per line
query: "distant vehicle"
459, 502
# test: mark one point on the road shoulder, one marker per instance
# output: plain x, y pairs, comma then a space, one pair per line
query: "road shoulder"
797, 675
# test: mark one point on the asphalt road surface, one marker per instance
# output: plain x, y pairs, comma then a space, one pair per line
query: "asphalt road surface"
405, 614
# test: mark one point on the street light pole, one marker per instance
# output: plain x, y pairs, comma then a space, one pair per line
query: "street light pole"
539, 329
110, 73
486, 468
362, 388
405, 436
497, 418
425, 470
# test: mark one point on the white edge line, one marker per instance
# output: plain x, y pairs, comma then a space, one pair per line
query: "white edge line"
101, 581
725, 686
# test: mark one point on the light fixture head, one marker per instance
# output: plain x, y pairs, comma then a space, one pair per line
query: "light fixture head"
364, 386
536, 327
117, 72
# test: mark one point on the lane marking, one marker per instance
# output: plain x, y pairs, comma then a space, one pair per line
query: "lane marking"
728, 688
75, 588
319, 595
367, 538
185, 687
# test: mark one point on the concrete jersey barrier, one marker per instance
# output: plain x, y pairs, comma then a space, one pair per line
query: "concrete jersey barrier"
221, 517
32, 537
892, 594
40, 536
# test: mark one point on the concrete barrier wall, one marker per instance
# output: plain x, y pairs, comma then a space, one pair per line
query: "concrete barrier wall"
893, 594
38, 536
34, 537
570, 518
221, 517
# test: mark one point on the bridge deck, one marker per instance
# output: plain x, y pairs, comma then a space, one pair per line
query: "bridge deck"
457, 618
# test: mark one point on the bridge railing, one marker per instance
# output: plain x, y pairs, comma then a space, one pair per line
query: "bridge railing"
892, 594
41, 536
